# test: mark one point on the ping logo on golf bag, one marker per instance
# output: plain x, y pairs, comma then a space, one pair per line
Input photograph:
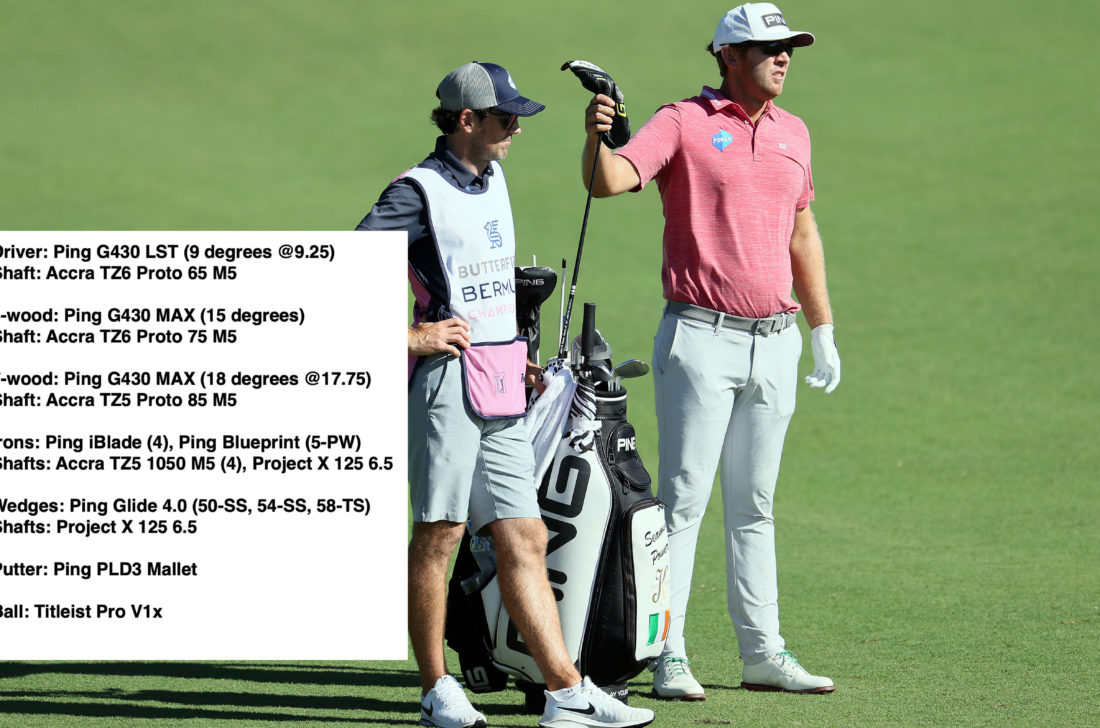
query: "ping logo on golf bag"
626, 443
495, 241
566, 498
773, 19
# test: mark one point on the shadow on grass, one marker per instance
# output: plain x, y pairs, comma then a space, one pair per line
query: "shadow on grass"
204, 704
49, 705
377, 694
297, 673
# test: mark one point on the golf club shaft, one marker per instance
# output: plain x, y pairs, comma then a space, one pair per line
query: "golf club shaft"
561, 305
538, 349
580, 249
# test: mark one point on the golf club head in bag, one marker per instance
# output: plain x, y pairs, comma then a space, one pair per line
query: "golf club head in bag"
534, 285
597, 366
628, 369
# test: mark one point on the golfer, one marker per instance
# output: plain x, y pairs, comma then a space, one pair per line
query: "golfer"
733, 171
469, 457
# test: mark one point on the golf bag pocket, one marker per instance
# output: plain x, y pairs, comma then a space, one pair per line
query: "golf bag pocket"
646, 540
623, 458
493, 378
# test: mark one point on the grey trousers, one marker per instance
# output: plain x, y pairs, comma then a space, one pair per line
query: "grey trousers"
724, 397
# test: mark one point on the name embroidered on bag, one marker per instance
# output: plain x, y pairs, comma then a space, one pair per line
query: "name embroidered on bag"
721, 140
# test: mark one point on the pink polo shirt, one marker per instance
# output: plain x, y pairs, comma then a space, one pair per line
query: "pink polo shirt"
730, 192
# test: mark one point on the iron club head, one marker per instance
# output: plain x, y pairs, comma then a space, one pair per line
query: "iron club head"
629, 369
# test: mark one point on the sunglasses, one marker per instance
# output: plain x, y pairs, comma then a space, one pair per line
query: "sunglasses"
770, 47
508, 121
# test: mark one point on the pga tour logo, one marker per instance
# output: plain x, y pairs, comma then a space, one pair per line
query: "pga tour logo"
501, 387
773, 19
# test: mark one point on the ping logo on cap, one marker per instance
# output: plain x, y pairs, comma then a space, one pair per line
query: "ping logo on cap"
773, 19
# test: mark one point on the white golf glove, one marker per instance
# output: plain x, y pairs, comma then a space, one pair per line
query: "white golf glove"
826, 359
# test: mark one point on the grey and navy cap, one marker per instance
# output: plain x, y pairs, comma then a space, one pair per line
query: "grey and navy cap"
484, 86
756, 21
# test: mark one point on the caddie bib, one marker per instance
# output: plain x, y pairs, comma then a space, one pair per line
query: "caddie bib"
475, 241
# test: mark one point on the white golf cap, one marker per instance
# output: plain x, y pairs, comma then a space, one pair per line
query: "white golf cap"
759, 22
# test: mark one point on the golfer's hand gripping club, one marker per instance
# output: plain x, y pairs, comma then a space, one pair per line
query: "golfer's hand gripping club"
598, 81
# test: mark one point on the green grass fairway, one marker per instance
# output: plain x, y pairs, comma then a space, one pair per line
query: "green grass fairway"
938, 516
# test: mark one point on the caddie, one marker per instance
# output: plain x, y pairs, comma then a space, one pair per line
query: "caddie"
733, 172
469, 457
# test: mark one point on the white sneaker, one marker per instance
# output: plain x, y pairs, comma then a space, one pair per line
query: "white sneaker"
590, 706
781, 671
446, 706
672, 679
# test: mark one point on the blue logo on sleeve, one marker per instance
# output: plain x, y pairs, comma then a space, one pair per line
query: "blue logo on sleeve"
721, 140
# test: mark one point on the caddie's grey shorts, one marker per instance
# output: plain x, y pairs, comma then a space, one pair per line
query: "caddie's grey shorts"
461, 465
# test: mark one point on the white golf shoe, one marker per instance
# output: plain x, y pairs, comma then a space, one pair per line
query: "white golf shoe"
781, 671
590, 706
446, 706
672, 679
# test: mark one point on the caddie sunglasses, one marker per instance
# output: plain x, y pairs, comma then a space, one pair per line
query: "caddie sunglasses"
508, 121
772, 47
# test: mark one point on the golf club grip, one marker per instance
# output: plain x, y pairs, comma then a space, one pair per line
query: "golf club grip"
588, 331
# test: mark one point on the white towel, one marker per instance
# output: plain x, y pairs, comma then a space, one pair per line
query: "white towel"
546, 417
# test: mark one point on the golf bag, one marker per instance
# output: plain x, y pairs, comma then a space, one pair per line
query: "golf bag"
607, 555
